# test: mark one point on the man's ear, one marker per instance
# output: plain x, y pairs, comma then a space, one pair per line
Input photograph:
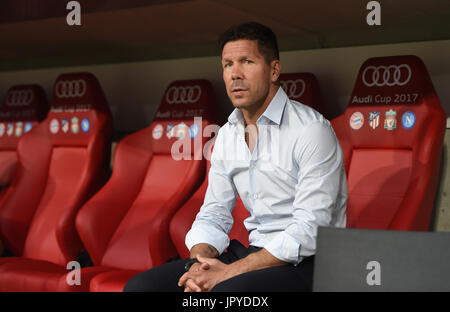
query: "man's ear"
275, 66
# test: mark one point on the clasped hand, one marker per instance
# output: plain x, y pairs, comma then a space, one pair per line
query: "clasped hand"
203, 276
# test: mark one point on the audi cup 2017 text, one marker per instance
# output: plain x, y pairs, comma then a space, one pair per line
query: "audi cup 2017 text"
398, 98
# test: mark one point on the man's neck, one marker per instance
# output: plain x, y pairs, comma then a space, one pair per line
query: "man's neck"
251, 116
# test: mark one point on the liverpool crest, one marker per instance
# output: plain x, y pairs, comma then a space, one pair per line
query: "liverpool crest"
390, 122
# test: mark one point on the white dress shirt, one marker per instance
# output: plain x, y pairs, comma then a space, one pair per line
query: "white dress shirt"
292, 183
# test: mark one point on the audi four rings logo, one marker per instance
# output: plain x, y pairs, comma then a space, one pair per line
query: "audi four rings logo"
293, 88
177, 95
19, 97
70, 88
386, 75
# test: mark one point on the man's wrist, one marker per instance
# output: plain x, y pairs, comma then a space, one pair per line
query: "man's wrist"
189, 263
204, 250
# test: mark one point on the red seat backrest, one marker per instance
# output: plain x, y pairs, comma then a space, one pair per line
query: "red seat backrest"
126, 224
304, 88
391, 135
23, 107
62, 162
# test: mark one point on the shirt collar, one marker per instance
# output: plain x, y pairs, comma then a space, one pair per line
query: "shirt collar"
274, 110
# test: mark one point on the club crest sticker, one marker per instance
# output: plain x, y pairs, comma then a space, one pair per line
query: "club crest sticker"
28, 127
356, 121
390, 122
85, 125
170, 131
374, 119
193, 131
75, 127
19, 129
65, 125
157, 132
181, 131
10, 129
2, 129
54, 126
408, 120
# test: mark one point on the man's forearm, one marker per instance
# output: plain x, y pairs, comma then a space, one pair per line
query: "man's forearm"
204, 250
254, 261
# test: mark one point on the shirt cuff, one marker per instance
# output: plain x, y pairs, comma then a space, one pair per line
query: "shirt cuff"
209, 235
285, 248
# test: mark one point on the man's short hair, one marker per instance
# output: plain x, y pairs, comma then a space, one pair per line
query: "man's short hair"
267, 41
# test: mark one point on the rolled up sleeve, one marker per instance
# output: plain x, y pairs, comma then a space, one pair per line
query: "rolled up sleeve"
320, 169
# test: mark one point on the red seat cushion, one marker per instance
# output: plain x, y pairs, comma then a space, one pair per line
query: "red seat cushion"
21, 274
86, 276
111, 281
391, 135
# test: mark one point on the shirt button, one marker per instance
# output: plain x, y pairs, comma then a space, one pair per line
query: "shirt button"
255, 196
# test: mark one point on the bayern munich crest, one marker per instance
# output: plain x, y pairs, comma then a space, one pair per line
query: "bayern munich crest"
356, 120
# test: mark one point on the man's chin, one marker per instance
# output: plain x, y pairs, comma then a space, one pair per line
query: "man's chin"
239, 103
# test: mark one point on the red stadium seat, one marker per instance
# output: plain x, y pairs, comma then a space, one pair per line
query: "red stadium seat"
304, 88
23, 108
301, 87
392, 135
125, 226
62, 162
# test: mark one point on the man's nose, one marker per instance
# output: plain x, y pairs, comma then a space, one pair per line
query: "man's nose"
236, 72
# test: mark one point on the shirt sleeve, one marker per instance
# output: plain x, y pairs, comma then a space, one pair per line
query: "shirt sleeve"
320, 175
214, 220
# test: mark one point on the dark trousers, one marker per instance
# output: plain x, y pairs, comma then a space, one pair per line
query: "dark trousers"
286, 278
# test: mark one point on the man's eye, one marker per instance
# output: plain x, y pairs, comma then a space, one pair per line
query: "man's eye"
227, 65
248, 61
